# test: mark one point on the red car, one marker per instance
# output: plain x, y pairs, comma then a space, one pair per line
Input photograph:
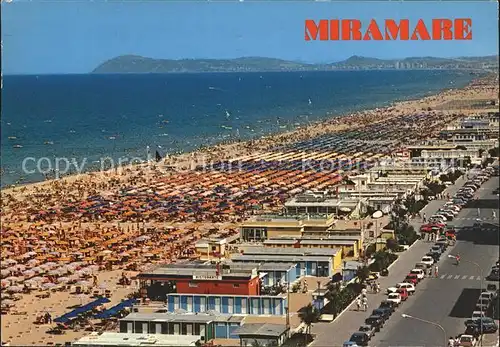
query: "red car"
403, 292
412, 278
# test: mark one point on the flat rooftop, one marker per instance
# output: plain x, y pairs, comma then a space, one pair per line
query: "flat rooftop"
124, 339
252, 250
264, 266
164, 317
261, 329
307, 241
194, 269
276, 257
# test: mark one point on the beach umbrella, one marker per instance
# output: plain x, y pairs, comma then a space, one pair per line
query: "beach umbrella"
20, 267
83, 283
14, 289
49, 285
5, 272
8, 302
13, 279
37, 269
28, 273
33, 262
63, 279
4, 296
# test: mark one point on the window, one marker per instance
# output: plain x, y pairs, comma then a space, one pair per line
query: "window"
236, 285
214, 248
193, 285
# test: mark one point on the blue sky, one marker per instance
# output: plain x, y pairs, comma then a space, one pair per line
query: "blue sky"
75, 37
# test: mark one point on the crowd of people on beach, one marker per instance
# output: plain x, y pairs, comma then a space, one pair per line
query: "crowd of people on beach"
61, 234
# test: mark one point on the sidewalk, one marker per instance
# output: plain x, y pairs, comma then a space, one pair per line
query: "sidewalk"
341, 329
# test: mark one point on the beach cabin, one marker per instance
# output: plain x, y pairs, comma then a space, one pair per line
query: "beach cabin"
204, 326
228, 304
263, 334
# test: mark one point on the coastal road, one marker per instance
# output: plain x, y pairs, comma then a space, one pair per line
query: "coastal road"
340, 330
450, 298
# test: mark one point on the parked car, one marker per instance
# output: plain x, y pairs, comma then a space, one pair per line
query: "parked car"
453, 207
419, 273
467, 341
395, 298
360, 338
449, 216
385, 314
489, 325
403, 292
483, 304
388, 305
377, 322
450, 210
439, 217
494, 276
411, 278
477, 315
367, 329
442, 242
487, 295
437, 249
410, 288
421, 266
427, 260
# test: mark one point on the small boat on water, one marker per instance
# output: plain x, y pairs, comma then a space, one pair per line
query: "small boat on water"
226, 127
17, 146
12, 138
48, 143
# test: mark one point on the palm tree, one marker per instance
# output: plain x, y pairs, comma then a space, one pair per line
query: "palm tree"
334, 296
308, 315
362, 274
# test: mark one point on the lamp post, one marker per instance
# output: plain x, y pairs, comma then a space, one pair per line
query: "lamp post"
481, 290
445, 337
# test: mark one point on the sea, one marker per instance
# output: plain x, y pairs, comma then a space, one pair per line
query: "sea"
81, 119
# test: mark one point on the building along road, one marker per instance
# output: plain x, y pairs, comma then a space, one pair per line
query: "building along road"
450, 298
340, 330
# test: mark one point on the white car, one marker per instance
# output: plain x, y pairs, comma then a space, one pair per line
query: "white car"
410, 288
449, 210
477, 314
439, 217
487, 295
467, 341
419, 272
429, 261
395, 298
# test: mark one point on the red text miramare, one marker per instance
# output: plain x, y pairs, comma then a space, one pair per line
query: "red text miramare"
388, 29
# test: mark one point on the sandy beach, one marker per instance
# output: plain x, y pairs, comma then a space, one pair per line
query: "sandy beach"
107, 223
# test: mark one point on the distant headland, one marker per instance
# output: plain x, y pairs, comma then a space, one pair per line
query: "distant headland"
138, 64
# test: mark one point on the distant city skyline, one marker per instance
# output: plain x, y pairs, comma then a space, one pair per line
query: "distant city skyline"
75, 37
